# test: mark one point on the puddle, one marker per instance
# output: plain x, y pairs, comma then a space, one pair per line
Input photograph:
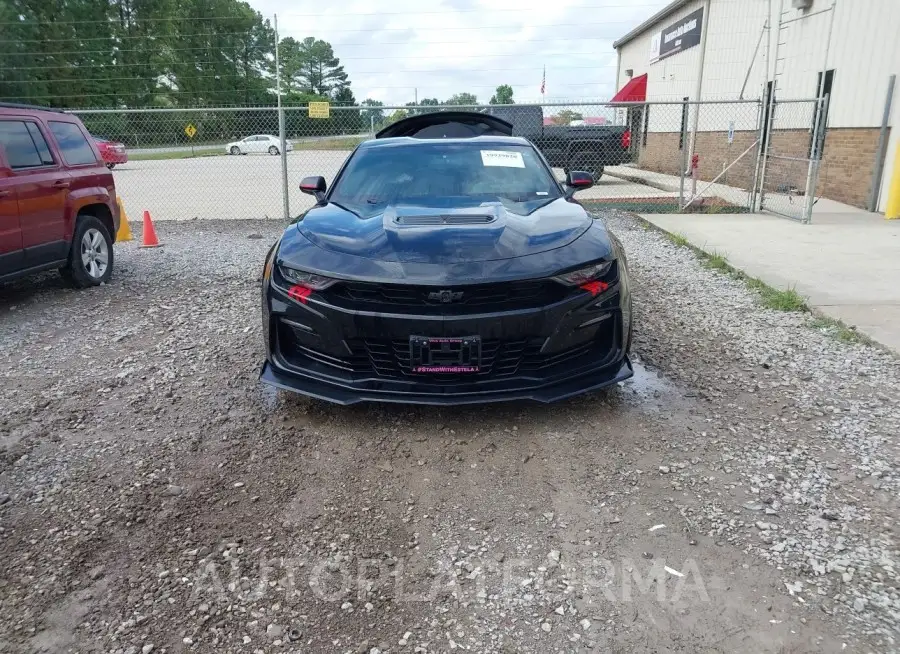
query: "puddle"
649, 385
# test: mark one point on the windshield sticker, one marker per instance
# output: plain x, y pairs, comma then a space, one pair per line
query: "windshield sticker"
502, 158
542, 192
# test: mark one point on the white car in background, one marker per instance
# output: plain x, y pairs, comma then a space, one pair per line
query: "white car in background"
258, 143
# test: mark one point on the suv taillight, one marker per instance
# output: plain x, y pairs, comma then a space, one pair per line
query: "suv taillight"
626, 139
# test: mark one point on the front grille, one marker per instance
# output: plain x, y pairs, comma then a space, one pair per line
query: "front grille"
506, 295
391, 359
500, 359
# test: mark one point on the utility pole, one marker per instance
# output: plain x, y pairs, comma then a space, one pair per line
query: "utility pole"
416, 91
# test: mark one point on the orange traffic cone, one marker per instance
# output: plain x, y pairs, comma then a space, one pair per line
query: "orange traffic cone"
150, 239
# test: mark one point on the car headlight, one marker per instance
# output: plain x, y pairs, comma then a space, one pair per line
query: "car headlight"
309, 280
587, 274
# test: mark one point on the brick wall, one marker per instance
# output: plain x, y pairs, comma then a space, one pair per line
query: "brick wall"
845, 174
848, 165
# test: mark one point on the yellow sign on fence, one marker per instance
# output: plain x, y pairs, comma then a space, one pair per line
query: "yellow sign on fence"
190, 130
319, 110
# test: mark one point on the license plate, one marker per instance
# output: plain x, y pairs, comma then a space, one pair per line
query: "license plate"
445, 355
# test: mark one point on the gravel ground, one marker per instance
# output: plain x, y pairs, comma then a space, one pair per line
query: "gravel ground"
739, 495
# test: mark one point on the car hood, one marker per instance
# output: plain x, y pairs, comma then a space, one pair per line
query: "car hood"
418, 234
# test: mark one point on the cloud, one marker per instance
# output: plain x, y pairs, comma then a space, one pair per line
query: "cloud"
414, 49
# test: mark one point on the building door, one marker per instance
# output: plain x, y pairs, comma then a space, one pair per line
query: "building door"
821, 114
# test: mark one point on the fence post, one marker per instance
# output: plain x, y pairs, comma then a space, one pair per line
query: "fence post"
759, 142
684, 152
768, 119
284, 175
815, 156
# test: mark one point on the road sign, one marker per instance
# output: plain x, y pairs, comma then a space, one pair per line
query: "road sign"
319, 110
190, 130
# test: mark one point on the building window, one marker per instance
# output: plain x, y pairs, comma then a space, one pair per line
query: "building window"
820, 115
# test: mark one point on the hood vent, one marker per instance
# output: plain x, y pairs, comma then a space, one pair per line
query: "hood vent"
452, 219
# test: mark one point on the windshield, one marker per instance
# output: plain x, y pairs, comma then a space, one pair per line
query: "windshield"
445, 175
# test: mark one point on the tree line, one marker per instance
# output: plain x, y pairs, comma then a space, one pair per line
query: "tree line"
157, 53
137, 54
164, 53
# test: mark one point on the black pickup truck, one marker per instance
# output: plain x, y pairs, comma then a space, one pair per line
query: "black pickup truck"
576, 147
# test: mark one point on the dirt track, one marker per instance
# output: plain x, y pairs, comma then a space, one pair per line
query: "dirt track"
153, 497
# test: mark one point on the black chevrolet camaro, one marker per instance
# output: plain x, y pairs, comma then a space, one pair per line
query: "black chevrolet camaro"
446, 265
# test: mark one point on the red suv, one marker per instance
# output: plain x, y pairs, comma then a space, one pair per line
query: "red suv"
57, 199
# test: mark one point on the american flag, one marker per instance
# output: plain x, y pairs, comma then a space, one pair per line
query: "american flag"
544, 81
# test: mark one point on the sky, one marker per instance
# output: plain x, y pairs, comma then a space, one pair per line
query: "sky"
433, 49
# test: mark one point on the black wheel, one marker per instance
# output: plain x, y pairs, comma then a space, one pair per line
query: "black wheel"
110, 165
235, 149
587, 162
91, 253
273, 150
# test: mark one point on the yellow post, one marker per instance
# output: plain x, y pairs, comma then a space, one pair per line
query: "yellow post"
124, 233
892, 210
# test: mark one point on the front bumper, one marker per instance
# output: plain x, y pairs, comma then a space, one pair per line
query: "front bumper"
543, 347
353, 394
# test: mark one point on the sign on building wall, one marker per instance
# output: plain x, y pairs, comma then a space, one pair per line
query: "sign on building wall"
677, 37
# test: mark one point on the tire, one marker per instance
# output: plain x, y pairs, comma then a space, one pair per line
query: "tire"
234, 150
586, 161
91, 250
273, 150
110, 165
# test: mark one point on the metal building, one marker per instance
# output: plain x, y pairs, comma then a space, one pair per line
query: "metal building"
847, 50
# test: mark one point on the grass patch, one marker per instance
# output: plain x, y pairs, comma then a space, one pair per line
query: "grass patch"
678, 239
838, 330
179, 154
786, 300
715, 261
347, 143
771, 298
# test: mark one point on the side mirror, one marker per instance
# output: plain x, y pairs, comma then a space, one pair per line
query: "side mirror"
578, 180
314, 186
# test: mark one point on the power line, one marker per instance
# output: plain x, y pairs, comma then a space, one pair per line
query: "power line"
382, 29
117, 37
164, 91
343, 15
192, 64
231, 78
171, 51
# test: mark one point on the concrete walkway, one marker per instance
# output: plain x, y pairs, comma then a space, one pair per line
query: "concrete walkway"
847, 262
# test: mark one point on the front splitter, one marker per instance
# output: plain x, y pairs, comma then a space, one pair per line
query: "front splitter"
444, 396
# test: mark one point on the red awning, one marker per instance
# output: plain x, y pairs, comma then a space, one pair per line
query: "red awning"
634, 91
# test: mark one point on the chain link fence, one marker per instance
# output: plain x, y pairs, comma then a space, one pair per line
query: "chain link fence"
792, 147
230, 163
